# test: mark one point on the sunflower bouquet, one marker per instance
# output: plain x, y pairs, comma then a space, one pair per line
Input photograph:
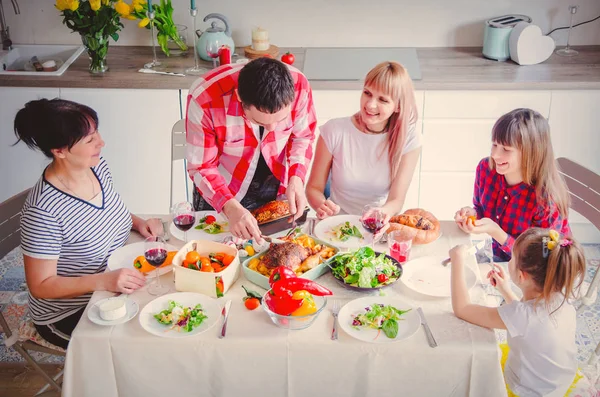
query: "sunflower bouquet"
163, 21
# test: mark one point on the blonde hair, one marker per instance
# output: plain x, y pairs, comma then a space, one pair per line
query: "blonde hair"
562, 269
393, 79
528, 131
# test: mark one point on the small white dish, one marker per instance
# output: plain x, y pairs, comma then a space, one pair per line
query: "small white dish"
426, 275
132, 310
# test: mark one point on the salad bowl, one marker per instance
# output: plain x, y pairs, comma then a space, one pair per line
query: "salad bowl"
294, 322
365, 269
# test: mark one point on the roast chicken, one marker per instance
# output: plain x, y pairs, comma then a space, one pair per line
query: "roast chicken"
285, 254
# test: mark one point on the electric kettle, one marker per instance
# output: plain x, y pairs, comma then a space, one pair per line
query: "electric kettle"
213, 34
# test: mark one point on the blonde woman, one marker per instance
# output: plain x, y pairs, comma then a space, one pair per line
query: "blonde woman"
518, 186
372, 154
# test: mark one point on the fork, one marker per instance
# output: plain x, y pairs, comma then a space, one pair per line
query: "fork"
334, 311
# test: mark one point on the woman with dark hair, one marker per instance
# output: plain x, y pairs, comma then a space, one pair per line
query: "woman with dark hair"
73, 219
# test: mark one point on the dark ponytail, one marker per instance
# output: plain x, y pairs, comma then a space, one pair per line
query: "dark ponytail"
560, 269
54, 124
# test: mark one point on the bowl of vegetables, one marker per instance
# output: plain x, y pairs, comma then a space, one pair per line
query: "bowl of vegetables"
365, 269
293, 302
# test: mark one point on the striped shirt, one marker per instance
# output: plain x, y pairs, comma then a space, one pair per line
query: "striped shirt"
223, 146
80, 236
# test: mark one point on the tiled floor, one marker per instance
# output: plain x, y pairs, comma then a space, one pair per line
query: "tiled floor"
13, 303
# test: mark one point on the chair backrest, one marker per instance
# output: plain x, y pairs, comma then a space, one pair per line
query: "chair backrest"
10, 222
178, 141
584, 189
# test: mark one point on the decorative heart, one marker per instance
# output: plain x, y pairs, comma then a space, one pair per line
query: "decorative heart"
527, 45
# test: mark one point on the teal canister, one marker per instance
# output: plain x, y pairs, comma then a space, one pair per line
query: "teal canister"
497, 33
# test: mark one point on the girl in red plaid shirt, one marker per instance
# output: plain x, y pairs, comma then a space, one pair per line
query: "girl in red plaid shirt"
518, 186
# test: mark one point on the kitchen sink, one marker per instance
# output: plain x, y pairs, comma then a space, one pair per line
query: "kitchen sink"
18, 60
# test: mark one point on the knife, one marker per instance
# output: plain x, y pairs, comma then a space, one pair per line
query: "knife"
225, 314
471, 251
430, 338
158, 72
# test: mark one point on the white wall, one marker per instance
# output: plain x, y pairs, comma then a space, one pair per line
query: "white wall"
336, 23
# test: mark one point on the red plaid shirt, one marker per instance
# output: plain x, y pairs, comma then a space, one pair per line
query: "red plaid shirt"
514, 208
223, 146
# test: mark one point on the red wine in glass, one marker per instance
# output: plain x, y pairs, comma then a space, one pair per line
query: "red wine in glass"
373, 225
184, 222
156, 256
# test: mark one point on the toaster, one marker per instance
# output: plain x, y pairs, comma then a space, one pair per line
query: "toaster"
496, 35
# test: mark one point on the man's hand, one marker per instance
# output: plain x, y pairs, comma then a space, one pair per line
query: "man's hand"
296, 196
241, 222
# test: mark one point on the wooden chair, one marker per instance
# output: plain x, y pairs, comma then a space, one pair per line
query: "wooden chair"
178, 143
584, 189
10, 237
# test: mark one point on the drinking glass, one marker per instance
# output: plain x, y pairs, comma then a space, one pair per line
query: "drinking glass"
373, 219
399, 246
183, 217
212, 50
156, 254
568, 51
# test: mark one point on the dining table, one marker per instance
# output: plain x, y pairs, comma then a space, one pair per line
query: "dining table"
257, 358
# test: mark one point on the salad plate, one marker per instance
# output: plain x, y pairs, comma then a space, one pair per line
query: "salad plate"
210, 309
355, 312
122, 258
201, 230
427, 276
365, 269
336, 231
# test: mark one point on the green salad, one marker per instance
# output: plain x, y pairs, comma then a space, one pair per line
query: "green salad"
185, 318
344, 231
380, 317
210, 225
365, 268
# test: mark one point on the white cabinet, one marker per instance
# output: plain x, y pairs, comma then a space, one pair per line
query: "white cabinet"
457, 134
136, 126
20, 167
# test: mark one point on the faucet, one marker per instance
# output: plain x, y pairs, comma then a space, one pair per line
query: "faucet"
4, 32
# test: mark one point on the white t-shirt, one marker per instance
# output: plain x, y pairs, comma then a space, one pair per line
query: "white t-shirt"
543, 355
360, 172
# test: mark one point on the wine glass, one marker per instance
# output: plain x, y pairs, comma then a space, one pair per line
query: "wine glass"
156, 254
568, 51
373, 219
212, 50
183, 217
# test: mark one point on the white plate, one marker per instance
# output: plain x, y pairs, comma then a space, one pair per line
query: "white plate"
323, 231
407, 327
210, 306
123, 258
132, 309
195, 234
427, 276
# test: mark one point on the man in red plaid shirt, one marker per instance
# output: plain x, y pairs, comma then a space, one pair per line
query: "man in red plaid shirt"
250, 131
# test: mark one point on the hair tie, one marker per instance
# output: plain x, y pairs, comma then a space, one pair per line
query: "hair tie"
565, 242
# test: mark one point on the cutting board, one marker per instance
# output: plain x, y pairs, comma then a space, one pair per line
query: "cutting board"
355, 63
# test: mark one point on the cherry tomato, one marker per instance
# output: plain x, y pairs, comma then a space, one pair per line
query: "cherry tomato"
288, 58
251, 303
382, 278
210, 220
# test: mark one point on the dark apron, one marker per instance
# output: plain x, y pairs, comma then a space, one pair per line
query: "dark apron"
262, 189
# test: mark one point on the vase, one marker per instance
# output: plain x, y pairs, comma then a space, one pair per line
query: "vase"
97, 48
178, 48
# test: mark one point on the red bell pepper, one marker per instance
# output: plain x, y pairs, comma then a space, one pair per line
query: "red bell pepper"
287, 287
282, 305
281, 273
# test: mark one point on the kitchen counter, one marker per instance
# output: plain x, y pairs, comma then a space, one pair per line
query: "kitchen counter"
460, 68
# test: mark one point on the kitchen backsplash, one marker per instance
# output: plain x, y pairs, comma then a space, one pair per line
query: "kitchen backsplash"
335, 23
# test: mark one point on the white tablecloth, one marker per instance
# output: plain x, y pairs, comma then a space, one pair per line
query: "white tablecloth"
259, 359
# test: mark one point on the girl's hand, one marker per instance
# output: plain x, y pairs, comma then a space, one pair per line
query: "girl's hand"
462, 216
327, 208
499, 279
151, 228
123, 281
484, 225
457, 254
